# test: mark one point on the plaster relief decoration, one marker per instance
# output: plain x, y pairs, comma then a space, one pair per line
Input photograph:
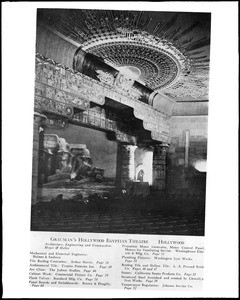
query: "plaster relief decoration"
65, 85
124, 82
56, 123
105, 77
79, 90
170, 50
59, 95
47, 105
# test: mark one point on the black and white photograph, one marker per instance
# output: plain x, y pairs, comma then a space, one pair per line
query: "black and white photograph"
120, 121
120, 149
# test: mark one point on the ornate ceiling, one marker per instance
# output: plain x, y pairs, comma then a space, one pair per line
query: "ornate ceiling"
168, 52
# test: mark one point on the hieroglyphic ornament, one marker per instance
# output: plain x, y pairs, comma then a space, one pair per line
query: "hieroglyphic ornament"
77, 85
56, 94
43, 104
70, 86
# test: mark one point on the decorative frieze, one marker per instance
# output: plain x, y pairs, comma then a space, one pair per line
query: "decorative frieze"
107, 120
69, 85
43, 104
53, 93
59, 89
56, 123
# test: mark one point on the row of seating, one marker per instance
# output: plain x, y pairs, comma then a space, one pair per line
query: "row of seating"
185, 220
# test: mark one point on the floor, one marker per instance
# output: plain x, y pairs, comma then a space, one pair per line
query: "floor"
133, 215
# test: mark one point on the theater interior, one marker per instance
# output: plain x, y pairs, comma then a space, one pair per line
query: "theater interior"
120, 122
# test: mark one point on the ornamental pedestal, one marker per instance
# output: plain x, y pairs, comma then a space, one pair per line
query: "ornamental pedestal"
159, 166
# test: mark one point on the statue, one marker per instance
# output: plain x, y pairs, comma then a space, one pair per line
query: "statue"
81, 167
140, 175
71, 161
63, 162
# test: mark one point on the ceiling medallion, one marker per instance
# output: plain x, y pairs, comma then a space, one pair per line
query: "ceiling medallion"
130, 71
171, 49
158, 61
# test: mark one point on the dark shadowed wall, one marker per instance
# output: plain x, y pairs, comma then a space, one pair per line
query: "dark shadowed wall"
187, 155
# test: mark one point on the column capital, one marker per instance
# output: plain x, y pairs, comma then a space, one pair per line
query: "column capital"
165, 147
129, 148
162, 146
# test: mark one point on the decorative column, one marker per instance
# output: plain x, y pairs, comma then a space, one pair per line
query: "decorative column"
38, 119
159, 166
186, 157
127, 164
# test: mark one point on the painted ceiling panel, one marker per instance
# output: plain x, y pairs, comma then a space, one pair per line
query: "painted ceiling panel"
169, 52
